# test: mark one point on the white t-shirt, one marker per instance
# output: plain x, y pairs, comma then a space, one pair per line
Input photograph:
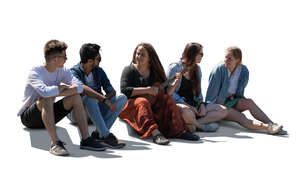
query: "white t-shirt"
234, 79
41, 83
89, 79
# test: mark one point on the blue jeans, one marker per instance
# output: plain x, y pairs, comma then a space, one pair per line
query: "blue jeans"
100, 114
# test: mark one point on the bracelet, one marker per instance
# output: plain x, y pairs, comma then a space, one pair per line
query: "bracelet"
199, 103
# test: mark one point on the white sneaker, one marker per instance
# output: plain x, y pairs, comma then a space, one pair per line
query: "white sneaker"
274, 128
58, 149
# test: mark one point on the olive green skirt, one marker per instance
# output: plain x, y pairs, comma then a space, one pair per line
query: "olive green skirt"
229, 103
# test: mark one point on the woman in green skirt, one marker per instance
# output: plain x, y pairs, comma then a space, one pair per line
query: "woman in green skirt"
227, 83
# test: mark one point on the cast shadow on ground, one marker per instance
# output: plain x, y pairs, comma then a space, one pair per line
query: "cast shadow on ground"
234, 130
130, 145
131, 132
224, 131
40, 139
227, 129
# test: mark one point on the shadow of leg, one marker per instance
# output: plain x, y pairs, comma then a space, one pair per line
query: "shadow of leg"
40, 139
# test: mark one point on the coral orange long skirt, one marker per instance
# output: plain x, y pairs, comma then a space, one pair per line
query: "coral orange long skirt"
163, 114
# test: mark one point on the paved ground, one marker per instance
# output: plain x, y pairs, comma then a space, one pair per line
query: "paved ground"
231, 147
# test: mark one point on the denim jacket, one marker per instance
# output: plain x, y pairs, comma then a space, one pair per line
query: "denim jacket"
217, 91
174, 68
99, 76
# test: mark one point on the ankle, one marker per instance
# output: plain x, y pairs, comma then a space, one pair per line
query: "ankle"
155, 132
84, 138
54, 140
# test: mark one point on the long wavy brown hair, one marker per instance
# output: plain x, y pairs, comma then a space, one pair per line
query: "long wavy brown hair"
190, 52
155, 64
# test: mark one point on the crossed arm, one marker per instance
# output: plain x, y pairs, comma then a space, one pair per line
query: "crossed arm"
69, 90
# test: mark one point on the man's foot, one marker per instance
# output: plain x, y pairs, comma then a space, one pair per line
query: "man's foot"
209, 127
274, 128
187, 135
110, 140
58, 149
92, 144
95, 135
160, 140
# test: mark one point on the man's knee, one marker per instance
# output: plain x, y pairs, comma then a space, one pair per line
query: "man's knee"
121, 99
45, 102
74, 99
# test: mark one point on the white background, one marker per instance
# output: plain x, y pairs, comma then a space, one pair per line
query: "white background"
266, 31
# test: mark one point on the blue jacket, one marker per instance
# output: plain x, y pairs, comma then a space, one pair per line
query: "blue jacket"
217, 91
99, 76
174, 68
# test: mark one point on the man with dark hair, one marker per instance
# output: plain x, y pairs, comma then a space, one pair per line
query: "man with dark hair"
102, 110
42, 87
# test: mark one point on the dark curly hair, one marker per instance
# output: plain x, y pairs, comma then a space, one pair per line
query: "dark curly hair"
88, 51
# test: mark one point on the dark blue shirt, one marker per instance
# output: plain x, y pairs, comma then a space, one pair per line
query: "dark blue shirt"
100, 78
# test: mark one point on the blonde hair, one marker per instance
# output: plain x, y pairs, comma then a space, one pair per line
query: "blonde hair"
236, 52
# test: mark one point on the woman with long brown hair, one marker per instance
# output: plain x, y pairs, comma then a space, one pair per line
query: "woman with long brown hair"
187, 93
149, 110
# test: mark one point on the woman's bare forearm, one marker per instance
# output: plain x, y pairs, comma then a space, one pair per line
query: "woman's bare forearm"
140, 91
172, 87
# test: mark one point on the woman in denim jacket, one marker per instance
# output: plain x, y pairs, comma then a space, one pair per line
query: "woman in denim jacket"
227, 83
187, 94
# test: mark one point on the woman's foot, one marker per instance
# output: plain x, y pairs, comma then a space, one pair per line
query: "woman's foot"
160, 140
209, 127
187, 135
274, 128
281, 132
